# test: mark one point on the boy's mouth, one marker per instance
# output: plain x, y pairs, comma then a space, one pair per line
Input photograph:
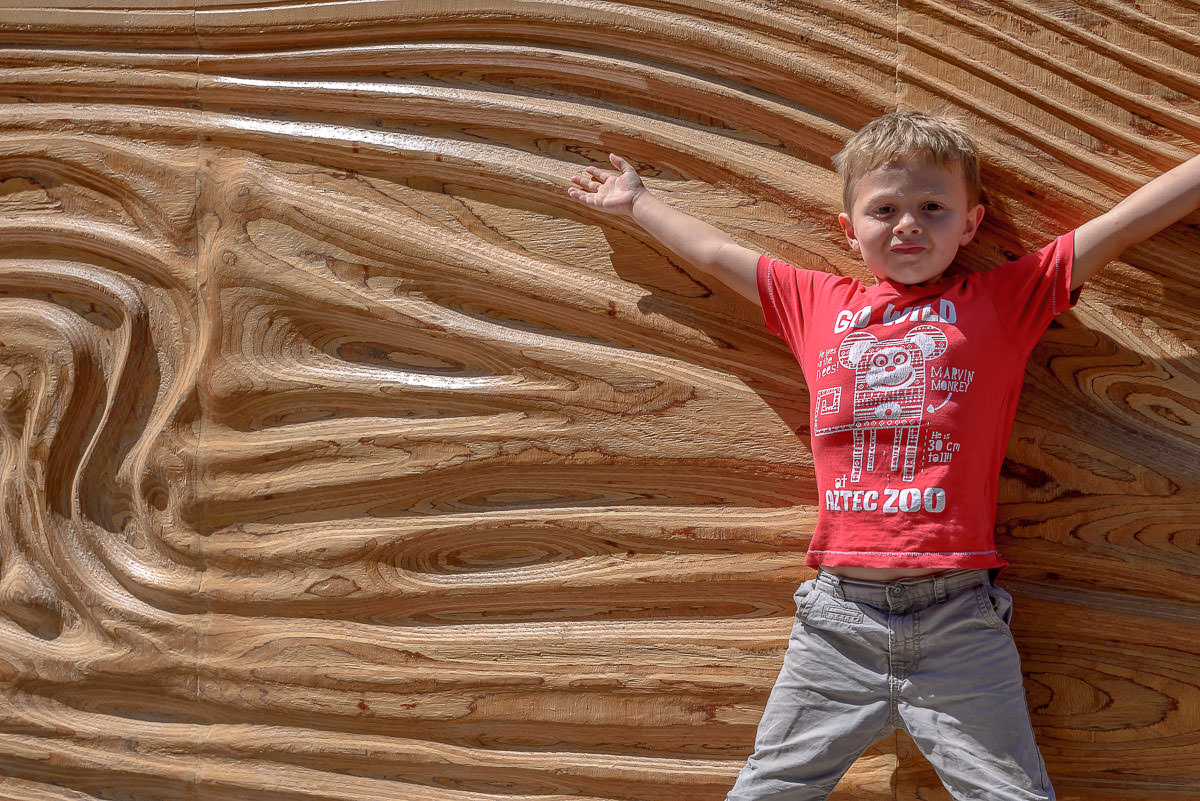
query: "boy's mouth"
907, 247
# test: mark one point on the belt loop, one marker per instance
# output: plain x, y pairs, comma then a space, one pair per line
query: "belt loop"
939, 588
833, 581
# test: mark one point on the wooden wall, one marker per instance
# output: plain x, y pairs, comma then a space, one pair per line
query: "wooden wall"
344, 456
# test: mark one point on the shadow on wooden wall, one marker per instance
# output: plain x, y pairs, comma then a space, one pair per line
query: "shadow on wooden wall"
345, 457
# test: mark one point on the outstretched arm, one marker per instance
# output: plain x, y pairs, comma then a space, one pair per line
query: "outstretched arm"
696, 241
1168, 198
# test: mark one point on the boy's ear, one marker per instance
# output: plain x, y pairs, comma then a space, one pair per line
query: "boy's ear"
974, 218
848, 230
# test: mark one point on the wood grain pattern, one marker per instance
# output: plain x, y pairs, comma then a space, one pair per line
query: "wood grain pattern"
345, 457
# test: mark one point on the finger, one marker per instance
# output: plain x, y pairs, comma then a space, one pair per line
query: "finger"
585, 182
582, 197
620, 163
601, 175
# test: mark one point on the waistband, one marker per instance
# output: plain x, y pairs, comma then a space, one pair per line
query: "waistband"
903, 594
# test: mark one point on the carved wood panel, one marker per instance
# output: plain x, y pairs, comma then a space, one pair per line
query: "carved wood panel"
345, 457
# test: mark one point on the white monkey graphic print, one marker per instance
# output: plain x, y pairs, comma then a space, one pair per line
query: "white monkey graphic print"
889, 392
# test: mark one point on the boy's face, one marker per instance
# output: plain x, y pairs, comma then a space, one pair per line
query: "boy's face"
909, 219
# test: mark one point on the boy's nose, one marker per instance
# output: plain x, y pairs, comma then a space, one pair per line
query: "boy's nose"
907, 224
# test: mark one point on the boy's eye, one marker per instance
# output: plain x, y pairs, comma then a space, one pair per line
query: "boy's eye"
932, 206
883, 210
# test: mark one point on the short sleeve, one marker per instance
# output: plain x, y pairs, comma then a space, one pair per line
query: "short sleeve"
774, 277
1030, 292
791, 298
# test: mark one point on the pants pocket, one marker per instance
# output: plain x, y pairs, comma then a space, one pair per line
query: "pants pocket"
844, 614
804, 598
995, 605
822, 610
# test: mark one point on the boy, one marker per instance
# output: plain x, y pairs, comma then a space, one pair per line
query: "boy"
913, 384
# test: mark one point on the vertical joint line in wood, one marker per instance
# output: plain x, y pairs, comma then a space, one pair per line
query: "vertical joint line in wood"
199, 622
896, 83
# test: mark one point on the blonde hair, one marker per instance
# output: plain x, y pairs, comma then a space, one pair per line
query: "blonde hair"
939, 139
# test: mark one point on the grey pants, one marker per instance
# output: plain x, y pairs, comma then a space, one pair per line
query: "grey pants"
932, 656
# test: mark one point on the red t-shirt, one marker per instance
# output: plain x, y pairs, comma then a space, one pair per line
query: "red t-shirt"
913, 392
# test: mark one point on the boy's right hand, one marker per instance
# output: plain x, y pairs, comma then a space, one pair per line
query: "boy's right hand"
607, 191
696, 241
